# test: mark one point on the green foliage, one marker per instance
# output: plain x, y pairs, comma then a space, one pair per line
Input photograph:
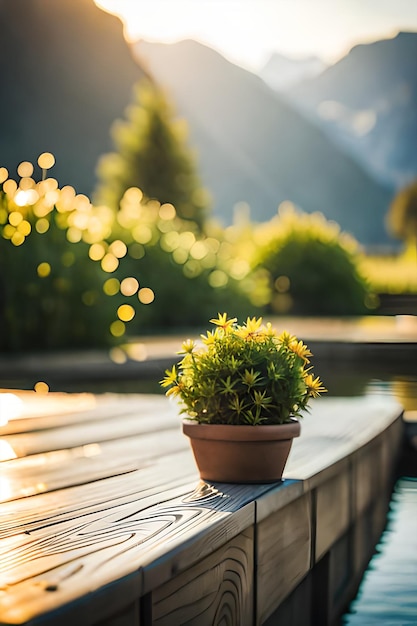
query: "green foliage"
177, 268
312, 268
395, 274
402, 214
50, 290
152, 154
77, 275
243, 374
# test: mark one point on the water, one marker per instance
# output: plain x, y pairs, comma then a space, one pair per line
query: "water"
388, 592
387, 595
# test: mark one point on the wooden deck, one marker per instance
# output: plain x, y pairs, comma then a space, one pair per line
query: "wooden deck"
103, 519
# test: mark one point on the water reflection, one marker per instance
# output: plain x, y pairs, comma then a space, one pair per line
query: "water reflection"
388, 593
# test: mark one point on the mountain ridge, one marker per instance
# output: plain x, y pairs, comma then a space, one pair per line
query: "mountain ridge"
62, 85
367, 104
270, 136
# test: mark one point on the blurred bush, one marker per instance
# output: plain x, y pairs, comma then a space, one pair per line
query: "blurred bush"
308, 267
152, 153
177, 273
74, 275
50, 291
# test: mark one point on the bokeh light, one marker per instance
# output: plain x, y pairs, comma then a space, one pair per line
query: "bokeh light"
41, 387
25, 168
146, 295
46, 160
109, 263
43, 269
167, 212
117, 328
118, 248
97, 251
111, 287
126, 312
129, 286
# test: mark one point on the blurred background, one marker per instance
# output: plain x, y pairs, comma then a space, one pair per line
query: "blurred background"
182, 158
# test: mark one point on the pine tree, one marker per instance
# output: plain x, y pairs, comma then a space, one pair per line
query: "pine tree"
402, 214
152, 153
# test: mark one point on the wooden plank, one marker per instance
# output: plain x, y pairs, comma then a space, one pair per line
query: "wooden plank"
217, 590
40, 412
76, 551
367, 467
88, 463
283, 554
332, 510
336, 429
76, 435
128, 616
47, 508
118, 510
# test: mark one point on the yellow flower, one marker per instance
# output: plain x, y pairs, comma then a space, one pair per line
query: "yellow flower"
210, 337
314, 386
300, 349
243, 374
187, 347
269, 330
285, 338
223, 322
170, 377
250, 328
173, 391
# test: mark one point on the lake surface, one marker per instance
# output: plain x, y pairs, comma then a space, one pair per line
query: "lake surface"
388, 592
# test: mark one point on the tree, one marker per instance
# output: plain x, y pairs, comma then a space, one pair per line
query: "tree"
51, 291
152, 154
402, 214
312, 267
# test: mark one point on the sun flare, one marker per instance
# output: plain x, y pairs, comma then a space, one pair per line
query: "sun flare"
247, 32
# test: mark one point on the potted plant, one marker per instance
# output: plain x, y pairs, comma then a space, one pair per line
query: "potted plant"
242, 391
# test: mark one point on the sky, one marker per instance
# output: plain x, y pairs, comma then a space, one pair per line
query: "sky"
247, 32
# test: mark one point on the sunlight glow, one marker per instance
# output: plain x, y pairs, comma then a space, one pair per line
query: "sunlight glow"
5, 489
248, 31
10, 407
6, 451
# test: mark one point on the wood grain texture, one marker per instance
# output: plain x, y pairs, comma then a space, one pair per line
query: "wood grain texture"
91, 462
59, 559
334, 430
101, 505
333, 510
366, 476
283, 554
218, 590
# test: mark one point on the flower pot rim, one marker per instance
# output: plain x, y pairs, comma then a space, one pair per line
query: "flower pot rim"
244, 432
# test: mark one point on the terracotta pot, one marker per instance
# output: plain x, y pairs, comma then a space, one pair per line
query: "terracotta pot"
241, 454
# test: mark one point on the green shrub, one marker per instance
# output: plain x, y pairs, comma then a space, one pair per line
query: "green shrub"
74, 275
51, 294
311, 267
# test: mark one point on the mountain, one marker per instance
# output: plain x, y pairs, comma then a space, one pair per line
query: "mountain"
281, 72
253, 146
367, 104
66, 74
